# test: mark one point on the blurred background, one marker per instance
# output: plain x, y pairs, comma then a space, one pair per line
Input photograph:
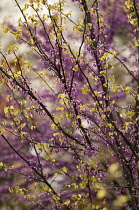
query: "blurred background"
9, 13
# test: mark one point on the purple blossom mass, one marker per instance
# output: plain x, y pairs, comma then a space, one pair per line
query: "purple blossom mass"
69, 107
